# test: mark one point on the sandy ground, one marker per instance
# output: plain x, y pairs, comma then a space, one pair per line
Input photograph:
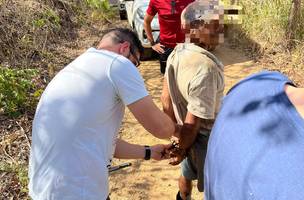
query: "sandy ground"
156, 180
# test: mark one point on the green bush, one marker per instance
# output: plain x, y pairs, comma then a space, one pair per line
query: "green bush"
266, 20
21, 173
17, 90
101, 9
48, 18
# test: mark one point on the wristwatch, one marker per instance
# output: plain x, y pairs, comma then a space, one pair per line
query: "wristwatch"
147, 152
152, 43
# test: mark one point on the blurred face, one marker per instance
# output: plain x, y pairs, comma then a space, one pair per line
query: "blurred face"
208, 34
211, 33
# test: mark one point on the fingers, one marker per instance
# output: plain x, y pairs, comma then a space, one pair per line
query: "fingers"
176, 154
158, 48
175, 160
160, 151
168, 151
167, 146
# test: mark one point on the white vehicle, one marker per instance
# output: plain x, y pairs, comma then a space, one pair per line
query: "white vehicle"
135, 13
122, 9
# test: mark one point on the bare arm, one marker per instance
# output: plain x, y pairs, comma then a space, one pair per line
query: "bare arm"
187, 136
125, 150
166, 101
189, 131
147, 26
151, 118
296, 96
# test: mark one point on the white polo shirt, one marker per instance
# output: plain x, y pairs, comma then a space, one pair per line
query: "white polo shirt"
76, 125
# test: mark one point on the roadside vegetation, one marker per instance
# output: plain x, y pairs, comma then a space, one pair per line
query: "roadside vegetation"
273, 32
37, 38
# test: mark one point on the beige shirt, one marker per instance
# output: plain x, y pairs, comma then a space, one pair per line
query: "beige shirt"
196, 83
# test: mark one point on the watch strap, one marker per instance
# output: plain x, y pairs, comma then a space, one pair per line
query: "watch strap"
147, 152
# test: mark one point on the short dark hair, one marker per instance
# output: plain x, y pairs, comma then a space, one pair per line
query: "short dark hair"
124, 34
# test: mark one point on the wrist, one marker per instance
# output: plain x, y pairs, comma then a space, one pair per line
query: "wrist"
148, 152
152, 42
177, 130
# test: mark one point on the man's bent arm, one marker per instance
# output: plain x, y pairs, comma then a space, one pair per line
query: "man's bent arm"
148, 29
151, 118
125, 150
166, 101
189, 131
147, 26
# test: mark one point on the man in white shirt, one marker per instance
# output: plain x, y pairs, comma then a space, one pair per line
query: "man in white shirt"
77, 120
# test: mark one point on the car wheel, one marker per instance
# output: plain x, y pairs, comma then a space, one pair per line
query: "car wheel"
123, 15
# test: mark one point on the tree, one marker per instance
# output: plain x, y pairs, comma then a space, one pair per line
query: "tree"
294, 16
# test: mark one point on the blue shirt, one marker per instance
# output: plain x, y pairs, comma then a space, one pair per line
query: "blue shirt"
256, 148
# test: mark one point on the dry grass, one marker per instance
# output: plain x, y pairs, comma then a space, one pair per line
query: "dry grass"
262, 35
45, 35
48, 34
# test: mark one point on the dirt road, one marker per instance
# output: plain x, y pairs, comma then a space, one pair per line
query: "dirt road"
157, 180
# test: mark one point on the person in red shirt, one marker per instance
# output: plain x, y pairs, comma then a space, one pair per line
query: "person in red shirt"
169, 16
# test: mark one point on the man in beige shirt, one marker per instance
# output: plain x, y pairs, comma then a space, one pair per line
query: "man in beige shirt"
193, 88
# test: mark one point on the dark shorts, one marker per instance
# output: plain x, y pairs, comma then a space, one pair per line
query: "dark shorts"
192, 167
163, 59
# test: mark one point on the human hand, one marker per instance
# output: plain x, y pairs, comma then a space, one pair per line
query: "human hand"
177, 159
186, 134
159, 151
158, 48
176, 154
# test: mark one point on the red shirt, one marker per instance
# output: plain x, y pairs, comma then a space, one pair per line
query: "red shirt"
169, 13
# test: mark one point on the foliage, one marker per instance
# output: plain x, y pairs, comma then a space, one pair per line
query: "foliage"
20, 172
49, 18
99, 4
26, 31
16, 87
30, 30
265, 21
102, 9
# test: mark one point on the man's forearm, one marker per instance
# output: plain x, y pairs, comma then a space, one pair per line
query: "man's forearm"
148, 30
166, 101
189, 130
168, 109
125, 150
152, 119
187, 135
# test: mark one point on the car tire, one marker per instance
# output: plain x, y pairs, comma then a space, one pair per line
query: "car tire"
123, 15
